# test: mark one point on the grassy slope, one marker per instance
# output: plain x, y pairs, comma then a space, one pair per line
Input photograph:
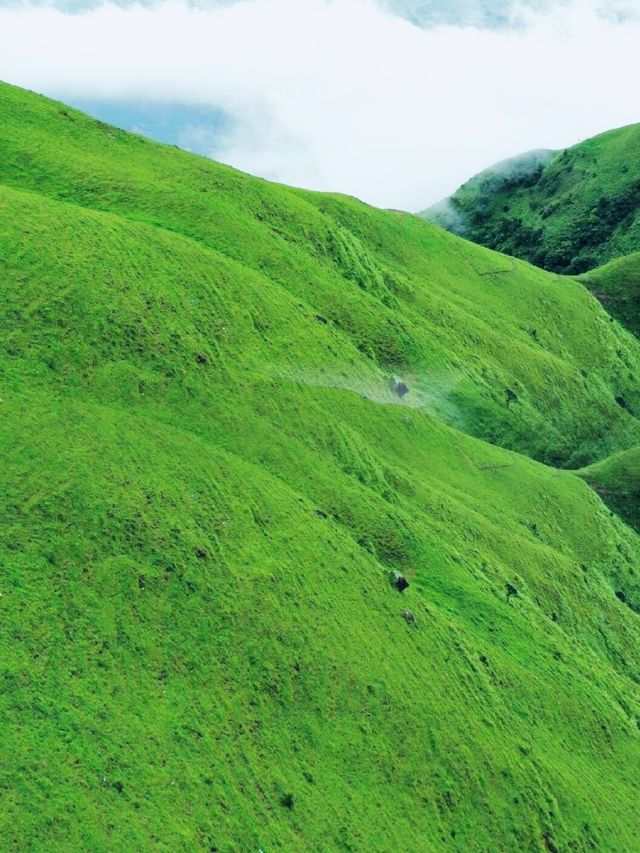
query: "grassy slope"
617, 480
404, 293
196, 620
577, 212
617, 286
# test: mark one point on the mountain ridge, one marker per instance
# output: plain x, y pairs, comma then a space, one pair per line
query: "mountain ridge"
211, 480
575, 211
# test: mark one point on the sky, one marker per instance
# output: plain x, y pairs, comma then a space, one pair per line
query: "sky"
397, 102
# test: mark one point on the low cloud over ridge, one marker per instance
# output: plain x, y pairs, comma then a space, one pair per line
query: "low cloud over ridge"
345, 95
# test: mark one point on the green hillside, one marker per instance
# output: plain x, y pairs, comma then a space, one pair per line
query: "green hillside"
617, 286
209, 478
567, 213
617, 481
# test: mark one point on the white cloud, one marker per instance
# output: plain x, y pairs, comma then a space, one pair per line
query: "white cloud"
345, 95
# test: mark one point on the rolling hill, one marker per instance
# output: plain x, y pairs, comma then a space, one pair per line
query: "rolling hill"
566, 211
617, 286
210, 480
617, 480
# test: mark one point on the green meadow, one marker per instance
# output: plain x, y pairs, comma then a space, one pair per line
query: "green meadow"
209, 480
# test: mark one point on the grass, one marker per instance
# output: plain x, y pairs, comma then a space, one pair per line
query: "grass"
617, 286
208, 481
576, 211
617, 480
